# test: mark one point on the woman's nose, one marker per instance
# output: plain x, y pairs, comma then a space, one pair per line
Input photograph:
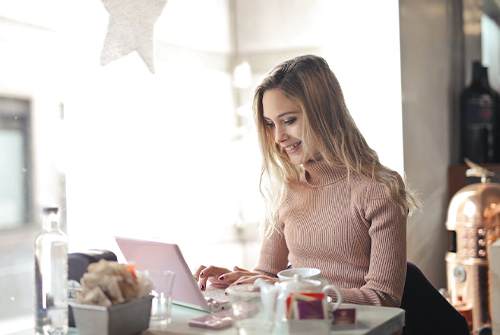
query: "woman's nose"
279, 134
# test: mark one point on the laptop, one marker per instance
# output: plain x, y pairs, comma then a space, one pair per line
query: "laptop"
156, 256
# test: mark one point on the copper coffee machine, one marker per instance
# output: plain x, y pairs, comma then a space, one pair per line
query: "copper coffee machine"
473, 223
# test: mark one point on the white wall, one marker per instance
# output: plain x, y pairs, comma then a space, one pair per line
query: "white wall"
361, 43
430, 58
361, 46
149, 155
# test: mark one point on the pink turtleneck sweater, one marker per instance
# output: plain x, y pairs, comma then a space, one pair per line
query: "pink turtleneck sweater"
352, 232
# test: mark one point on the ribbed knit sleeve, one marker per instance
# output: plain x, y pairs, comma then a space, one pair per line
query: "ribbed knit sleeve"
273, 254
384, 282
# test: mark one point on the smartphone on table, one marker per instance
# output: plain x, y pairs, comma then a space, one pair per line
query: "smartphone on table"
218, 320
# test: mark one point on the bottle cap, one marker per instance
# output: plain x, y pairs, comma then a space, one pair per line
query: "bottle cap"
51, 209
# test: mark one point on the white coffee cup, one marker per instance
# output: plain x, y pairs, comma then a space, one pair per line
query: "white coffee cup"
305, 273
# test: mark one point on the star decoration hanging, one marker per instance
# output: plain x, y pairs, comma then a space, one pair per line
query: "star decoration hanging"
130, 28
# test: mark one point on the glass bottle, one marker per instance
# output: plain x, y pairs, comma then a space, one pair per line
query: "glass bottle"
480, 119
51, 276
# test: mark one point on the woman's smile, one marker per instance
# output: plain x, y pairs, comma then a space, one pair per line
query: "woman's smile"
293, 148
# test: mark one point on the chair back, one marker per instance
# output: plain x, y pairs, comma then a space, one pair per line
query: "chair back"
426, 310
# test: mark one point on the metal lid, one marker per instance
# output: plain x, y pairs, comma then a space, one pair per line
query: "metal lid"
477, 203
50, 209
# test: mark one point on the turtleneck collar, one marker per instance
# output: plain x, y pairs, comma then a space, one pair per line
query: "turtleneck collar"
319, 173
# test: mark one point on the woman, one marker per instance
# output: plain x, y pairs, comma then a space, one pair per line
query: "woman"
331, 204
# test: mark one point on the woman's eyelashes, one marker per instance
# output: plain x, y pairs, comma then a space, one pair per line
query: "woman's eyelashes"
289, 121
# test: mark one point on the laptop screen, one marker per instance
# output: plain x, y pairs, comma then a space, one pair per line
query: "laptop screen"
155, 256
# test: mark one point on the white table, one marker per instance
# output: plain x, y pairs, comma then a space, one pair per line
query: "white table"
370, 320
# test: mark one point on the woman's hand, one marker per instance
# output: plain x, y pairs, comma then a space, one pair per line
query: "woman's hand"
222, 277
251, 277
210, 273
242, 276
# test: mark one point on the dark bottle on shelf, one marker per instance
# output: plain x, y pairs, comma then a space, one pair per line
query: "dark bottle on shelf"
480, 119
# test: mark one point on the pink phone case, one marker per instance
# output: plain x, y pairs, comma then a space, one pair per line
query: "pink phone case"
219, 320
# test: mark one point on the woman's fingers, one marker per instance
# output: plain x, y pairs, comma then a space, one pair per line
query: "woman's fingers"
246, 280
210, 272
218, 285
197, 272
223, 277
253, 278
202, 282
235, 275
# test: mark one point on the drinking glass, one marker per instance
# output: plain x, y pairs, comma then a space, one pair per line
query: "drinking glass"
253, 312
161, 308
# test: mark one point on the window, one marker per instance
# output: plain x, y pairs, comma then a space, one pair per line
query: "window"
15, 193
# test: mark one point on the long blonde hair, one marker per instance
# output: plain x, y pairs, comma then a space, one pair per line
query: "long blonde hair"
328, 128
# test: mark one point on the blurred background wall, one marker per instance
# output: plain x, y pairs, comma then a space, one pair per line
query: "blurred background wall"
431, 79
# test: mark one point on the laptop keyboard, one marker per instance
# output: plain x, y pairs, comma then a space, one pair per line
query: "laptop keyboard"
216, 294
